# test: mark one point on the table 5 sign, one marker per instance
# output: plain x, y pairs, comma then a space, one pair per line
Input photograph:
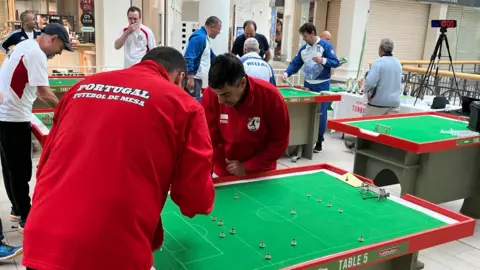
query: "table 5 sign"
365, 258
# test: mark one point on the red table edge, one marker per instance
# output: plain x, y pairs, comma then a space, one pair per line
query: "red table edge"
418, 148
416, 242
67, 77
316, 99
41, 137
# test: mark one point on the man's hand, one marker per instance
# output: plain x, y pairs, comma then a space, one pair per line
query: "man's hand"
360, 83
318, 59
132, 28
236, 168
284, 77
190, 82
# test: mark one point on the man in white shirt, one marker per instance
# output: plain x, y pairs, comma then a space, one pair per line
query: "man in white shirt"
23, 78
253, 63
136, 37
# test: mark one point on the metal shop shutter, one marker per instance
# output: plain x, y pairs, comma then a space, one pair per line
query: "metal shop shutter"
404, 21
333, 19
464, 40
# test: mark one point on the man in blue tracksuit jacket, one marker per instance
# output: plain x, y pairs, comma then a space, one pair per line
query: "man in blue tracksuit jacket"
317, 58
27, 31
199, 54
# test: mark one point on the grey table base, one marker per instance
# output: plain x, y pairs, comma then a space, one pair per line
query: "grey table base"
405, 262
304, 123
437, 177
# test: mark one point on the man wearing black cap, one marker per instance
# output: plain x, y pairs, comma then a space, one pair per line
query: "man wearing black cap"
23, 78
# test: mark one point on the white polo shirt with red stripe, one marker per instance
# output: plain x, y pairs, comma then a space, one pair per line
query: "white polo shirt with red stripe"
24, 68
137, 45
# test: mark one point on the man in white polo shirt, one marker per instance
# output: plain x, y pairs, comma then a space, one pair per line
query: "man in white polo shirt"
136, 37
23, 78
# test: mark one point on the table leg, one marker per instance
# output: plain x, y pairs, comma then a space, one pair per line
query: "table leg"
471, 205
405, 262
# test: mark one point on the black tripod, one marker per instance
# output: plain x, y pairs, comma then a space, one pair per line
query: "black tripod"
437, 53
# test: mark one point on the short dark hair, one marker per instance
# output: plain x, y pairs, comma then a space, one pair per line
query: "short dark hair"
23, 14
246, 23
134, 9
226, 69
170, 58
212, 20
308, 28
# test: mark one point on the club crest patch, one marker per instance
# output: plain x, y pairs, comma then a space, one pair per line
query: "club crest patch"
139, 38
253, 123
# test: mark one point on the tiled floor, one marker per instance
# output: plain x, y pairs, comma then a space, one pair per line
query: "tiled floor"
459, 255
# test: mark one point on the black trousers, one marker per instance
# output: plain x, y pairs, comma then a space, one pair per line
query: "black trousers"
2, 237
16, 156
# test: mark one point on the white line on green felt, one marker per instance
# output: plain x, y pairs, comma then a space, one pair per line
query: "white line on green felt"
203, 259
254, 249
342, 246
423, 210
176, 259
289, 221
40, 125
182, 248
398, 200
361, 209
408, 116
199, 233
451, 119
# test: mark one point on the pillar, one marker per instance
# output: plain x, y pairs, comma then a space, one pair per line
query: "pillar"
221, 9
437, 12
320, 17
151, 17
351, 29
108, 26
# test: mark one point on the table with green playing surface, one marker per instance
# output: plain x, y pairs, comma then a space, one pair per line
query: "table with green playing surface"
420, 152
40, 129
294, 216
59, 85
304, 110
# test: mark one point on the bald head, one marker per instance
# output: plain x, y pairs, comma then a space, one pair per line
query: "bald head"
251, 45
326, 35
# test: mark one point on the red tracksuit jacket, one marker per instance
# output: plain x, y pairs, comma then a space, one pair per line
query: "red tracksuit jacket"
255, 132
120, 140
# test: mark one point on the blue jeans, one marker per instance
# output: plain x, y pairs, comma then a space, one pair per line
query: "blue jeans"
196, 92
322, 127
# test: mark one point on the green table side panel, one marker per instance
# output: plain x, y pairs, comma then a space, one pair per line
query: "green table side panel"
418, 129
41, 115
263, 213
292, 92
63, 82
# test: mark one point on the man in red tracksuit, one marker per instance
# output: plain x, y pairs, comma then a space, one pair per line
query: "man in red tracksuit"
120, 141
247, 117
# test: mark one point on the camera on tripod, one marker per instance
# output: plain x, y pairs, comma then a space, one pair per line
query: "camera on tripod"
444, 24
437, 55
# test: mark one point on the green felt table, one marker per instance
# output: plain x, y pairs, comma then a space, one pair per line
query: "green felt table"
40, 116
63, 82
293, 92
419, 129
262, 212
304, 112
426, 162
